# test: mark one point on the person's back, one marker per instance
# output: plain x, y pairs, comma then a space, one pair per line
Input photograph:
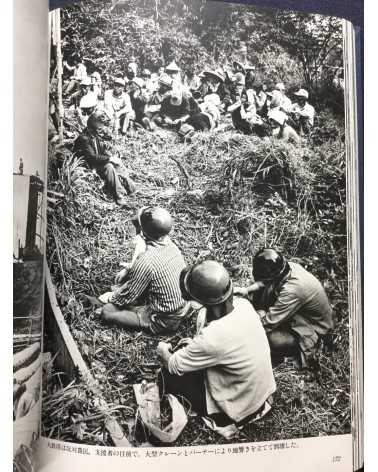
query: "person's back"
243, 378
313, 303
166, 263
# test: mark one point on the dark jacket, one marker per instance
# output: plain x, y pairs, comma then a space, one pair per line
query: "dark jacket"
95, 151
188, 106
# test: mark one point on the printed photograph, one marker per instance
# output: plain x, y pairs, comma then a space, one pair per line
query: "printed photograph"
197, 280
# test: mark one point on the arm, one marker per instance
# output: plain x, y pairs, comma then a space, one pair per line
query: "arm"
197, 355
137, 282
84, 148
126, 108
286, 306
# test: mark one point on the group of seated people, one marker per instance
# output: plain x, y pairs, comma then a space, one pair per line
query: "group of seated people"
225, 371
189, 103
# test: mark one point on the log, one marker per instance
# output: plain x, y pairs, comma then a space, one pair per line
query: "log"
69, 359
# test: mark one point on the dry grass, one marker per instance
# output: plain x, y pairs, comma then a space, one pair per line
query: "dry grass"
229, 195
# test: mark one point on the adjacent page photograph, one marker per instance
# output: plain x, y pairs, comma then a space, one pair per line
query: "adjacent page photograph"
202, 297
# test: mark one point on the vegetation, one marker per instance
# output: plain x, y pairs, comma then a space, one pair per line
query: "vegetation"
229, 194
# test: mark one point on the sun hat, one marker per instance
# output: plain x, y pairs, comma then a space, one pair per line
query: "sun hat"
278, 116
302, 93
172, 67
119, 81
88, 101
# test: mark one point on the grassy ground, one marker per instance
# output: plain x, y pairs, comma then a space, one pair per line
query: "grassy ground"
229, 195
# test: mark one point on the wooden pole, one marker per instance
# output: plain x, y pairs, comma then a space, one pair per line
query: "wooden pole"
59, 63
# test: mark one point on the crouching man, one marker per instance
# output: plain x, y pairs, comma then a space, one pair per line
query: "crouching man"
94, 146
224, 372
293, 307
149, 296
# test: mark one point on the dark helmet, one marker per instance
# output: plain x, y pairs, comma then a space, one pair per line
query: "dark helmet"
268, 264
208, 283
155, 222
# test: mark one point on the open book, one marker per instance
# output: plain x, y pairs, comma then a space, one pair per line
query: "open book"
186, 238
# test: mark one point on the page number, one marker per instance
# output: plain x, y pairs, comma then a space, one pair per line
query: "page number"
336, 459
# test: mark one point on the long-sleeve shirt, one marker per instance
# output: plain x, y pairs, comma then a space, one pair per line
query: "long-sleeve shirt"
155, 277
116, 105
93, 150
307, 112
188, 106
235, 354
301, 294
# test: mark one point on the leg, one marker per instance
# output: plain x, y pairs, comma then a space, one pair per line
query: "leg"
282, 344
125, 318
122, 171
190, 387
112, 182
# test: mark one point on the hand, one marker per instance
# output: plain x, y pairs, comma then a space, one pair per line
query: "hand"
120, 277
182, 343
164, 351
242, 291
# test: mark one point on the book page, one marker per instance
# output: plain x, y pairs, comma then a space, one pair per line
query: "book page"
29, 223
200, 287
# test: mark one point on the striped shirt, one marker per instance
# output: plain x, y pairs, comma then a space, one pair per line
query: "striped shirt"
155, 277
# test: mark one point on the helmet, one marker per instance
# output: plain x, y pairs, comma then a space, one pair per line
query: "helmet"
119, 81
146, 73
268, 264
208, 283
155, 222
280, 86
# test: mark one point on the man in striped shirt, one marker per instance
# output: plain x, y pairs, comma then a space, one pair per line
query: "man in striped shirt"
150, 295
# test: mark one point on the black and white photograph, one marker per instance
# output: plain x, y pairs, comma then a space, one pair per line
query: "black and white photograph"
197, 250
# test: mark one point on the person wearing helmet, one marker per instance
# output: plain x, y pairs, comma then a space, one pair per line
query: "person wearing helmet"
302, 113
131, 71
149, 296
293, 307
93, 145
118, 107
174, 72
277, 120
225, 371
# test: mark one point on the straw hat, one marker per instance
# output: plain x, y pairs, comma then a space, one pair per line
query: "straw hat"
280, 87
172, 67
138, 82
88, 101
215, 73
164, 79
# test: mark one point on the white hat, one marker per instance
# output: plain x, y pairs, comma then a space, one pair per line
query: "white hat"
138, 81
86, 81
302, 93
172, 67
88, 101
280, 86
133, 67
278, 116
119, 81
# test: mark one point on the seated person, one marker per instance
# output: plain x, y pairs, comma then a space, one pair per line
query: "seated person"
286, 104
94, 146
207, 119
150, 297
88, 105
215, 83
293, 308
225, 371
261, 99
84, 89
244, 115
302, 113
118, 107
176, 108
139, 99
154, 103
280, 129
79, 72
